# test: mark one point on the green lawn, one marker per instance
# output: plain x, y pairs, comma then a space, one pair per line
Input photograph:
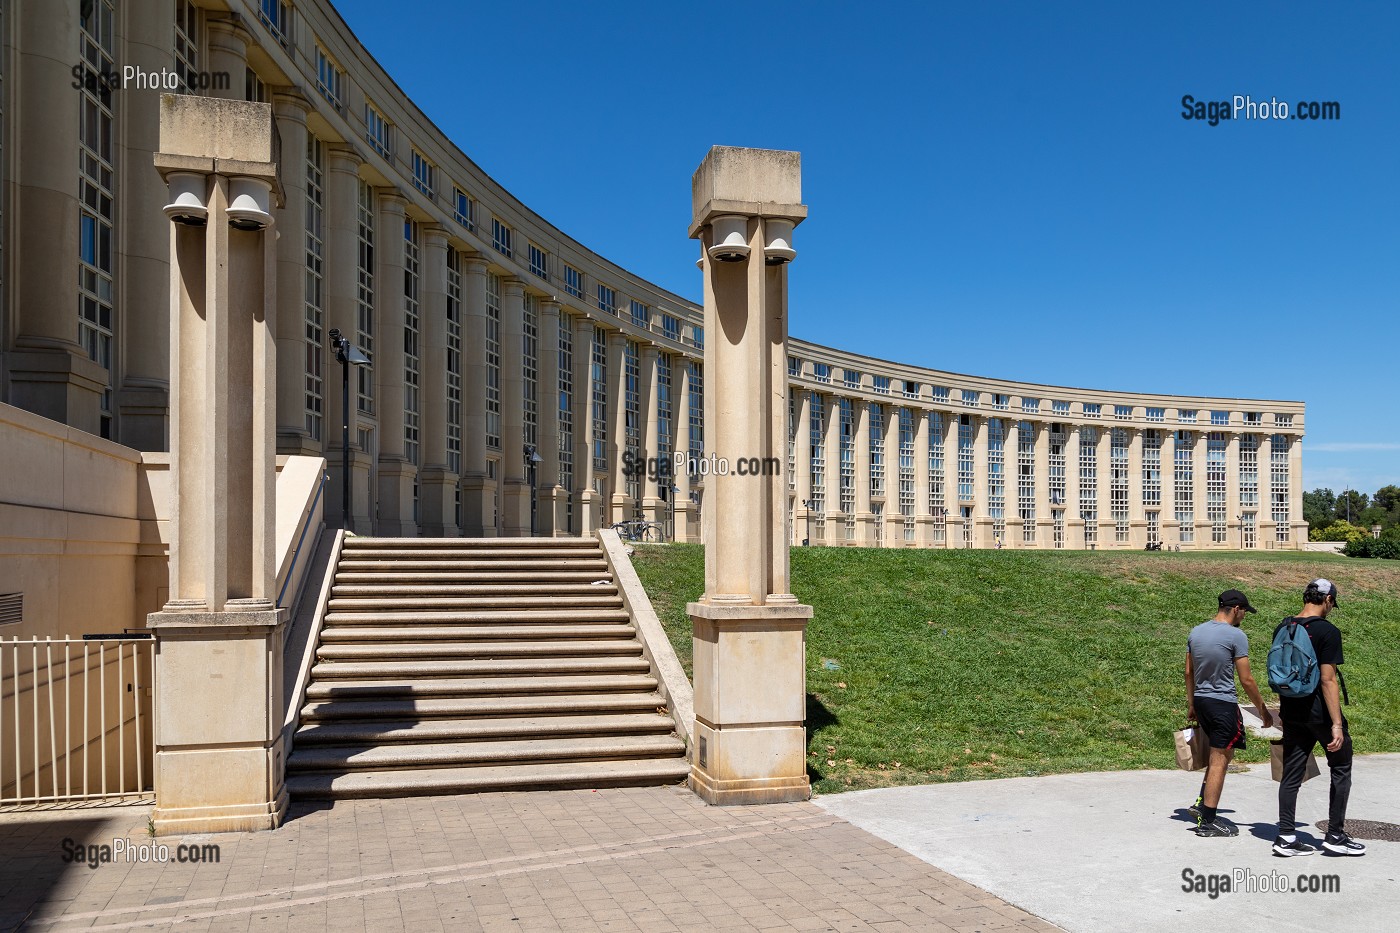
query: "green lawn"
928, 665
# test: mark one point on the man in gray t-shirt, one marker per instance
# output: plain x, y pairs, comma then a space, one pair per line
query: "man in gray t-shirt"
1215, 651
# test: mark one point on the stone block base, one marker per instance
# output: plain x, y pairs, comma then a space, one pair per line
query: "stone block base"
233, 818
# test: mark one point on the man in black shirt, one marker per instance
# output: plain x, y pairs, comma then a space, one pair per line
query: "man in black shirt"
1315, 719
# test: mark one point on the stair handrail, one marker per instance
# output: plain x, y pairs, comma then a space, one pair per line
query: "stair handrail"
294, 704
672, 683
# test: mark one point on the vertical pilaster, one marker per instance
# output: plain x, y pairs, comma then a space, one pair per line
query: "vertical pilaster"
341, 284
865, 518
835, 523
228, 52
801, 467
1044, 517
1232, 491
1298, 533
894, 519
1171, 530
478, 506
653, 506
617, 427
1198, 490
981, 513
515, 489
952, 521
396, 474
549, 494
923, 518
290, 108
1105, 488
1136, 515
437, 487
1074, 526
586, 496
682, 507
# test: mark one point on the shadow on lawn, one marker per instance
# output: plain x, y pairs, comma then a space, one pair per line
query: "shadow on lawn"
818, 717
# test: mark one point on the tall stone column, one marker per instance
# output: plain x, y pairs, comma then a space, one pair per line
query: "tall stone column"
290, 108
589, 502
982, 536
1232, 490
894, 519
952, 520
683, 508
341, 280
550, 496
1105, 488
1136, 514
478, 494
219, 756
1074, 527
1171, 530
802, 516
750, 631
619, 507
653, 506
515, 488
1011, 478
923, 518
1198, 491
1044, 517
396, 474
1298, 533
228, 52
143, 284
865, 516
437, 486
835, 519
50, 374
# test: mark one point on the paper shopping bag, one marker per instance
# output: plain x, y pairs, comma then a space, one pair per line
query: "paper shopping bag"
1276, 763
1192, 748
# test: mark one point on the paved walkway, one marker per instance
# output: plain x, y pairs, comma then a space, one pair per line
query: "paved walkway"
1107, 852
645, 859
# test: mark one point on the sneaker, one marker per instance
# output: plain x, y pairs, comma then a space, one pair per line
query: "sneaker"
1195, 810
1342, 844
1218, 827
1293, 847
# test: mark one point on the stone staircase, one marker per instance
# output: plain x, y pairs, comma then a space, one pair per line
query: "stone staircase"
450, 665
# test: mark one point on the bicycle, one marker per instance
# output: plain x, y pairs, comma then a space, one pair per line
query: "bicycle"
638, 529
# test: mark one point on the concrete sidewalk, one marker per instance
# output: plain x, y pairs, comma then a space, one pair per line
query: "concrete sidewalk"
1107, 852
639, 859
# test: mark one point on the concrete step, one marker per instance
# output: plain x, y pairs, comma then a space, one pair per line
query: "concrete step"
474, 589
482, 617
488, 752
443, 576
389, 731
533, 555
547, 776
499, 668
339, 634
419, 651
359, 541
392, 701
605, 601
598, 567
396, 685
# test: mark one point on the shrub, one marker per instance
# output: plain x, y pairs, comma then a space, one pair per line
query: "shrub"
1340, 530
1386, 548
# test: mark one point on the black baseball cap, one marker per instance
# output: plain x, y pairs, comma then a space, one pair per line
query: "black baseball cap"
1231, 598
1322, 588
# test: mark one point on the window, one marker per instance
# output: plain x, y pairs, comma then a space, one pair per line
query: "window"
697, 411
906, 471
96, 324
1059, 408
877, 450
314, 309
253, 88
330, 80
1278, 483
821, 372
937, 478
1030, 405
1249, 471
464, 208
501, 237
664, 411
1183, 475
599, 372
276, 15
573, 281
1025, 479
531, 364
817, 463
1254, 417
699, 337
850, 378
1000, 402
566, 417
641, 314
1089, 483
794, 367
1057, 462
846, 457
632, 414
1151, 468
671, 327
1220, 418
996, 476
411, 384
1186, 415
970, 398
1283, 421
882, 384
1123, 412
378, 131
1092, 409
187, 45
966, 440
1118, 484
454, 363
424, 174
493, 361
364, 296
539, 262
1215, 486
911, 389
607, 300
939, 393
1157, 415
793, 426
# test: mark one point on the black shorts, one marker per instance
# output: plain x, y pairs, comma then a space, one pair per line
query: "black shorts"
1222, 721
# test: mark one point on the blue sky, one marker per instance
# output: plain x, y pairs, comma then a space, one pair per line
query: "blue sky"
1009, 188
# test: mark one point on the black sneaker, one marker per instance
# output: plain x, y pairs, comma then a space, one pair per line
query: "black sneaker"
1218, 827
1293, 847
1195, 810
1342, 844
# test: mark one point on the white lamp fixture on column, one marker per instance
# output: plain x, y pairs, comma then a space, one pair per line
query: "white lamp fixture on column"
187, 192
249, 199
730, 240
777, 241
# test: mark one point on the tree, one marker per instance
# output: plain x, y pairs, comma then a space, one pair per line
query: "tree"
1350, 505
1340, 530
1319, 508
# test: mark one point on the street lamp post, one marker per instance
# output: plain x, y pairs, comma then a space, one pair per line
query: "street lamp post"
346, 354
532, 460
675, 491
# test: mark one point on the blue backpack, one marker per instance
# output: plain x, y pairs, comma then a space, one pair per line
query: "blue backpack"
1293, 670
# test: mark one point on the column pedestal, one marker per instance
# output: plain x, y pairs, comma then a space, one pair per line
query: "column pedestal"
437, 499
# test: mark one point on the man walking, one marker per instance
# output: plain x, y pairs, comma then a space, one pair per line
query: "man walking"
1314, 719
1215, 652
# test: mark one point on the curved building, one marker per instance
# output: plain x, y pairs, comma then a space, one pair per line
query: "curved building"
492, 334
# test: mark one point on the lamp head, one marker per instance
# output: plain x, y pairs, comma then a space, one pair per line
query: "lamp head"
187, 193
777, 242
730, 243
249, 199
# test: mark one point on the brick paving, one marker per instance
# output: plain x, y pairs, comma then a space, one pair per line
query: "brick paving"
644, 859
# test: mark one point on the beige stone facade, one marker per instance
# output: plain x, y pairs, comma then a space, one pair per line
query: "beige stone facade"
490, 331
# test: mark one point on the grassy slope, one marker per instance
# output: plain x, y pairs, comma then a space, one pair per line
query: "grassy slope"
952, 665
